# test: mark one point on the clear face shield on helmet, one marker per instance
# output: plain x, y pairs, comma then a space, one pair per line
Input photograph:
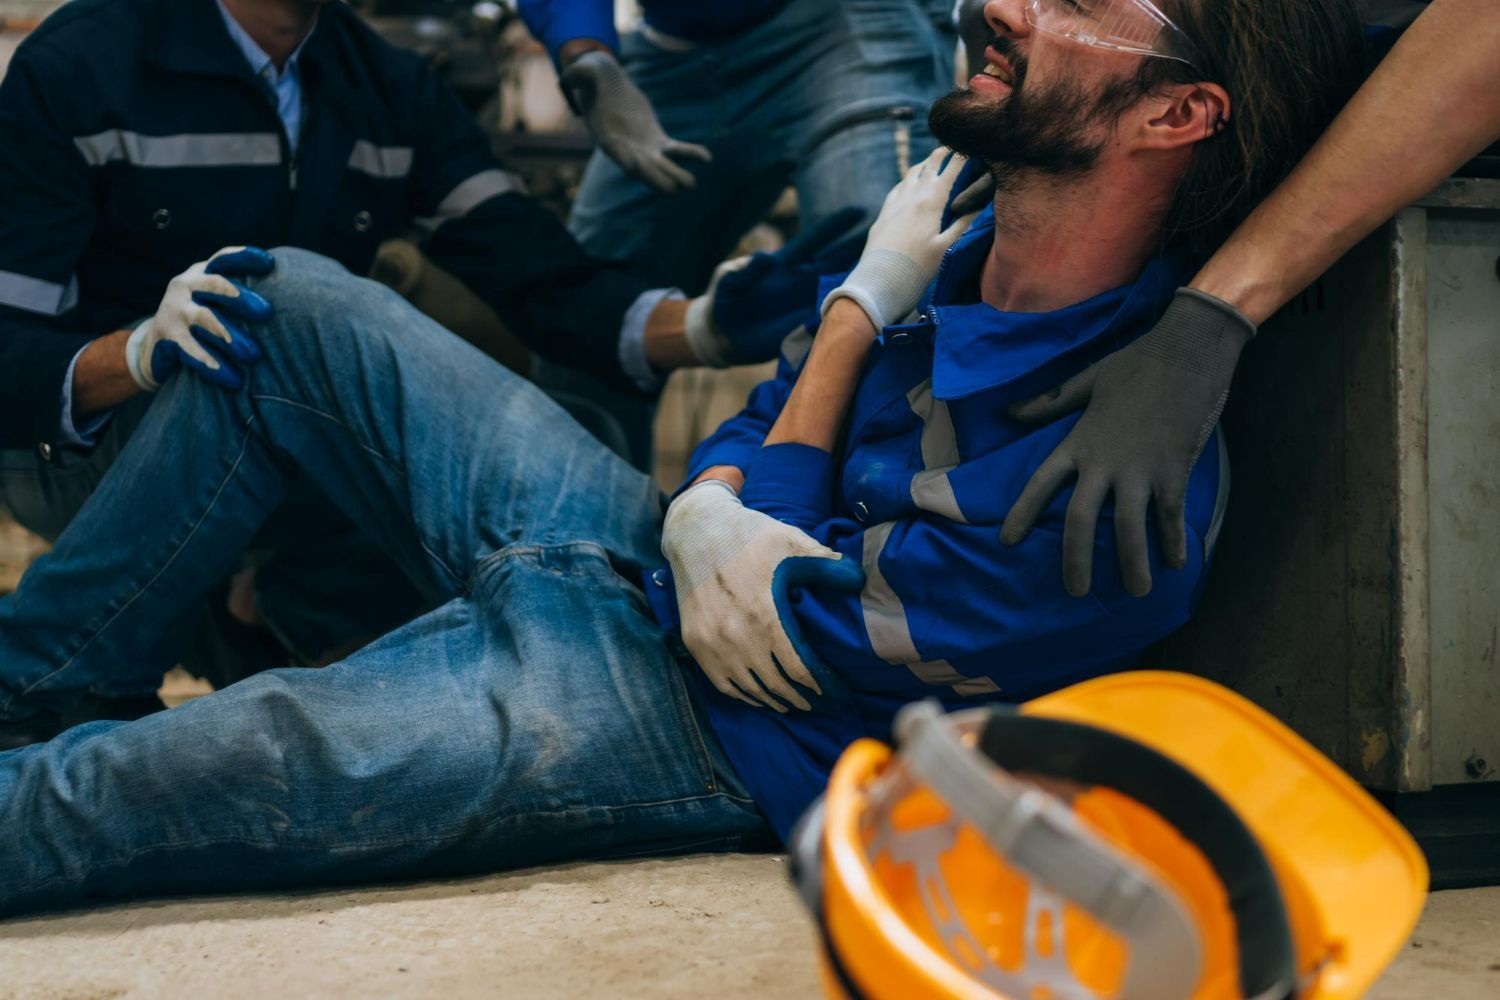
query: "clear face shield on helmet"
1135, 26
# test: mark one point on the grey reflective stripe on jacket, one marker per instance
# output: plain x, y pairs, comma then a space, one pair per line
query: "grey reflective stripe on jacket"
470, 194
890, 632
240, 149
47, 298
385, 162
930, 489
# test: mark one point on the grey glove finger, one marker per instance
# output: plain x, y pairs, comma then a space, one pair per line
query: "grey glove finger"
1074, 394
1131, 540
650, 171
1171, 525
680, 177
1043, 485
1078, 535
689, 150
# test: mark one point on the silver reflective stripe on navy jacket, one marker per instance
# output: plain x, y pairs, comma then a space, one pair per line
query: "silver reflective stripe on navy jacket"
20, 291
203, 150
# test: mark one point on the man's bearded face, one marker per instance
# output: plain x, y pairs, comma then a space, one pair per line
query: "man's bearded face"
1058, 129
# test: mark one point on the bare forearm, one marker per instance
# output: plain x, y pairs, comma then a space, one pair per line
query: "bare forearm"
815, 411
1432, 105
101, 380
814, 414
667, 345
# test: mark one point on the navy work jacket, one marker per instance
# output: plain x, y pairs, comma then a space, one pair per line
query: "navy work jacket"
135, 140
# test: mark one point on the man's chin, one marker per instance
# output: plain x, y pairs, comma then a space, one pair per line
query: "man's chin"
964, 121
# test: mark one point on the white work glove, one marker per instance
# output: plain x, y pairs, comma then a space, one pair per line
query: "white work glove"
730, 564
624, 124
198, 324
906, 245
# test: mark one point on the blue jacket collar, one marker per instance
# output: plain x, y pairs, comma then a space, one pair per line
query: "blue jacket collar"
978, 348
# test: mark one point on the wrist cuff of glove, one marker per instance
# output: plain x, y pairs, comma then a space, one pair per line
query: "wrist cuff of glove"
1201, 305
705, 339
139, 367
1199, 333
886, 285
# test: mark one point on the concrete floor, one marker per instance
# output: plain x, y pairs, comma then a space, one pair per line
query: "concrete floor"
724, 927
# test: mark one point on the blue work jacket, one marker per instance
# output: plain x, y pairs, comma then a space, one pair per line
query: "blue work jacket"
557, 22
136, 140
930, 464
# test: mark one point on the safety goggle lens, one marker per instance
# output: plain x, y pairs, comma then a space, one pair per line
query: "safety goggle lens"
1136, 26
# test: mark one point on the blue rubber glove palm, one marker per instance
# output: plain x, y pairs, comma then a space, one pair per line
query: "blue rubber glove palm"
200, 323
754, 302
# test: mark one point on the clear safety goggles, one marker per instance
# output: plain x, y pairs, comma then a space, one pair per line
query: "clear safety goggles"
1135, 26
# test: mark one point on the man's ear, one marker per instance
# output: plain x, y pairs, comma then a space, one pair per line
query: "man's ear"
1189, 113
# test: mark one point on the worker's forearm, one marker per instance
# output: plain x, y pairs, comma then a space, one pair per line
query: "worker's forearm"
724, 473
101, 380
1433, 104
814, 414
667, 345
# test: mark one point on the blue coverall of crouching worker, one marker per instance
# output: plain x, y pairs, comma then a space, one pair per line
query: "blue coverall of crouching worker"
546, 710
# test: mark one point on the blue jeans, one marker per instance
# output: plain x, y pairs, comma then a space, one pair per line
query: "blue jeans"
321, 584
828, 95
538, 714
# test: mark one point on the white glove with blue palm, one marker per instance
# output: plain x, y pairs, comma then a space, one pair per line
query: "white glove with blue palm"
734, 569
199, 323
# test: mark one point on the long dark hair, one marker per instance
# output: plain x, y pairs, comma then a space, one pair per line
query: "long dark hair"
1289, 66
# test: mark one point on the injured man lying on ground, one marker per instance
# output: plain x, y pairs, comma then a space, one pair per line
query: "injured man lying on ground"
836, 553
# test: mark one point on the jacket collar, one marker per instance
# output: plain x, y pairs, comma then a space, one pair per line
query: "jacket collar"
260, 63
194, 40
978, 348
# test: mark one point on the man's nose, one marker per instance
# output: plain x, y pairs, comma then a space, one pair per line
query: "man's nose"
1007, 18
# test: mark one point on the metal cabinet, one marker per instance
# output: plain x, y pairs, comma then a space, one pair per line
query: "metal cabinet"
1356, 590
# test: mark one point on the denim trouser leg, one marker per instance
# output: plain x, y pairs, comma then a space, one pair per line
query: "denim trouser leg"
541, 718
322, 584
408, 431
774, 104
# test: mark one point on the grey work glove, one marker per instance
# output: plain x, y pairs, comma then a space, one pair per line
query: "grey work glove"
624, 124
1151, 407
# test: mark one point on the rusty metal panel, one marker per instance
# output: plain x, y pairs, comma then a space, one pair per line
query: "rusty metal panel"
1463, 305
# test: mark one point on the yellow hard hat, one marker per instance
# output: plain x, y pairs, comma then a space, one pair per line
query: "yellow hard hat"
1142, 836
